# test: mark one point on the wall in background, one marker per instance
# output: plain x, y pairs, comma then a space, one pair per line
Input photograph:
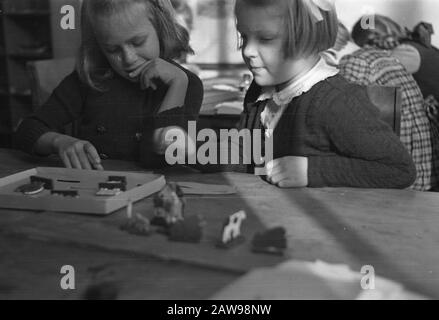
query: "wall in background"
214, 37
65, 42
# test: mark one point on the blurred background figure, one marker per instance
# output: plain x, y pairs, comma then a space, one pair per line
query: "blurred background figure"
343, 45
420, 58
412, 48
367, 64
185, 17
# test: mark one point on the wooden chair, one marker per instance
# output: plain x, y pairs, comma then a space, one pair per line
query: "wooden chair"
388, 101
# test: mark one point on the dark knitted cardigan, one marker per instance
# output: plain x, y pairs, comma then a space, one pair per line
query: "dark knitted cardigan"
119, 122
338, 129
427, 76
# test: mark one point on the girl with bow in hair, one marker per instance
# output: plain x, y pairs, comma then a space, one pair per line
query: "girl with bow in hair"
325, 130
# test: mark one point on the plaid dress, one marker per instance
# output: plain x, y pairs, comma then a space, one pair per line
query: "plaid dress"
432, 107
370, 66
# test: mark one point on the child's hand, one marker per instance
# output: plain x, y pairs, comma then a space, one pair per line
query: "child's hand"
75, 153
159, 69
288, 172
164, 137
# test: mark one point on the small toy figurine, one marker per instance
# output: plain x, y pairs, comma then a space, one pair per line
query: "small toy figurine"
168, 206
136, 224
188, 230
231, 233
271, 241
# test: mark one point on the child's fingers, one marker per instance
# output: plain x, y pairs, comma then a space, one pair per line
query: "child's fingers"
276, 170
65, 159
146, 78
139, 70
83, 160
144, 81
74, 159
142, 74
286, 184
282, 180
273, 167
277, 178
164, 137
93, 156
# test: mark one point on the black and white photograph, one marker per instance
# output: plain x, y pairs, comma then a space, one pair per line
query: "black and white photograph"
218, 156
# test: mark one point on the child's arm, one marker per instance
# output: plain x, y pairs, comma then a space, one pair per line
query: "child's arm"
175, 103
175, 119
38, 133
172, 76
74, 153
248, 120
409, 56
368, 154
232, 148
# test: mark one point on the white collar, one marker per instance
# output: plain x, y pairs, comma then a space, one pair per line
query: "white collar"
319, 72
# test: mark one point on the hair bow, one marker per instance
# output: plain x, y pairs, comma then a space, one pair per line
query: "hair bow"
314, 7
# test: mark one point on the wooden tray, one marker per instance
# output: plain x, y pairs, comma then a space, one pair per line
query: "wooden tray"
139, 186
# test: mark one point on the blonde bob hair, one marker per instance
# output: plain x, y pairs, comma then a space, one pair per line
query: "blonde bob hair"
92, 65
304, 34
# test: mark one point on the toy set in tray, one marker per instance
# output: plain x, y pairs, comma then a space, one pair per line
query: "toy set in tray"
72, 190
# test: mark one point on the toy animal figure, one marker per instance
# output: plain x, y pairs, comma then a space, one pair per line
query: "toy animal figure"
137, 223
231, 232
271, 241
188, 230
169, 204
232, 226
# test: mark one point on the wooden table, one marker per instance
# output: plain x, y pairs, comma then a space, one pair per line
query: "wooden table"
396, 231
